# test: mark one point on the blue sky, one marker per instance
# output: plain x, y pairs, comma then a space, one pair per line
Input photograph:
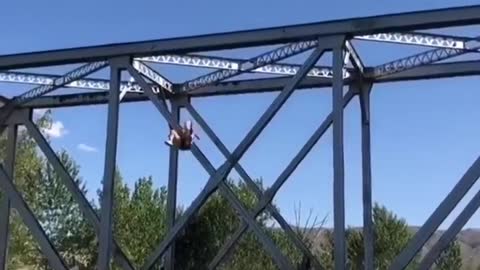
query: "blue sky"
423, 133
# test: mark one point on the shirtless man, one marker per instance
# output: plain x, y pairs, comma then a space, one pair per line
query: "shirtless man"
182, 138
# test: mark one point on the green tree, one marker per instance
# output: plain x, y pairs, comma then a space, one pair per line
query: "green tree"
391, 236
214, 224
139, 217
61, 217
139, 226
28, 164
450, 258
49, 200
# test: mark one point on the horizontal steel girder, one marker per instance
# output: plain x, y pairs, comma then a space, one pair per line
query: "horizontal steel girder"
400, 22
436, 71
101, 84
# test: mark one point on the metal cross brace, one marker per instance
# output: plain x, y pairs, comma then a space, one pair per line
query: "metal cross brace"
211, 186
438, 216
448, 236
220, 174
245, 215
18, 203
204, 194
86, 208
251, 184
270, 193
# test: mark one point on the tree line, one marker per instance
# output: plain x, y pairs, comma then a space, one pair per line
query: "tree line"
140, 224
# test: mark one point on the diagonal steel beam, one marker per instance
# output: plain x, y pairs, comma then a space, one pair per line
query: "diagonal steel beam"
251, 64
4, 201
355, 57
46, 246
270, 193
77, 195
269, 245
153, 75
437, 217
256, 190
106, 215
163, 85
275, 106
448, 236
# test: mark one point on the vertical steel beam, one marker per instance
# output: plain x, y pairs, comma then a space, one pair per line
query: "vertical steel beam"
5, 202
106, 226
368, 233
172, 192
437, 217
77, 195
448, 236
47, 248
338, 159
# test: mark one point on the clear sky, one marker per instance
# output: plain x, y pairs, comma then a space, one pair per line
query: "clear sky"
424, 134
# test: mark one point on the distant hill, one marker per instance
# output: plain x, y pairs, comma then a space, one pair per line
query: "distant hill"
469, 240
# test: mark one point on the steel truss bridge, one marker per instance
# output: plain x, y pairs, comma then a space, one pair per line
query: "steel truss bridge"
141, 61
